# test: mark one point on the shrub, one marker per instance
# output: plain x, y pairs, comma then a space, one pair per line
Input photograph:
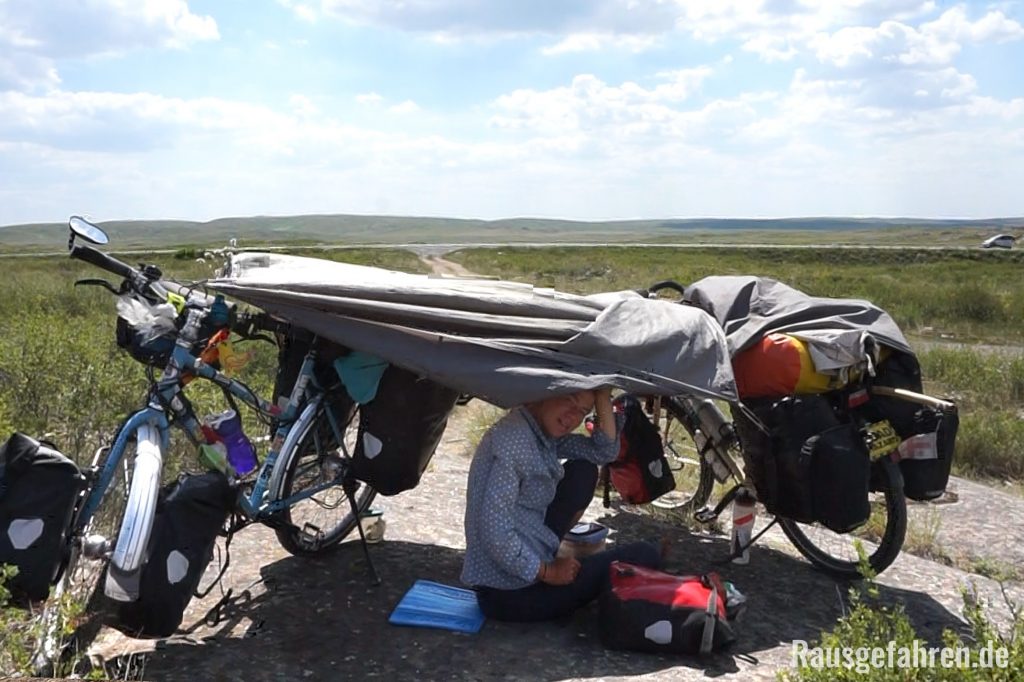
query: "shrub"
870, 625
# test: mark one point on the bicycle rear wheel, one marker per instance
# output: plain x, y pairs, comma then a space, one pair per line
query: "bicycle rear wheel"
882, 535
319, 522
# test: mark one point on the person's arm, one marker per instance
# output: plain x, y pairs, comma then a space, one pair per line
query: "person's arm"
497, 527
602, 446
605, 418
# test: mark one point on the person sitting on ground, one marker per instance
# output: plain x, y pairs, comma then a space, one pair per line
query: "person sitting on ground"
521, 501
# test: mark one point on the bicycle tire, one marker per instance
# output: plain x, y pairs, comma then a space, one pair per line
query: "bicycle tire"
693, 500
81, 579
132, 542
809, 539
317, 455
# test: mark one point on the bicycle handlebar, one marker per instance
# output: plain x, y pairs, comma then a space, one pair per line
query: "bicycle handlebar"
103, 261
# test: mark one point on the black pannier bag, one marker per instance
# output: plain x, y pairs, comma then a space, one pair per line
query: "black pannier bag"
38, 487
400, 429
644, 609
840, 477
812, 466
190, 515
925, 469
641, 472
292, 349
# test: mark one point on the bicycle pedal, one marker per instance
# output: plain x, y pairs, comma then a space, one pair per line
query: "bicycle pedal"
311, 534
705, 515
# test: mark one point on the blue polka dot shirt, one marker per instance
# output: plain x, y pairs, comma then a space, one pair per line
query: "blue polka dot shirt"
512, 481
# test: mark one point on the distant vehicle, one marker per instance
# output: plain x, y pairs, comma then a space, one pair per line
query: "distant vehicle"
1000, 241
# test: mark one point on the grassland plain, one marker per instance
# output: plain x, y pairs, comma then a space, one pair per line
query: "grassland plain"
375, 229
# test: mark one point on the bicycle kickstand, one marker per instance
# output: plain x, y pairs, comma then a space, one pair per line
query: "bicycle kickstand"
350, 485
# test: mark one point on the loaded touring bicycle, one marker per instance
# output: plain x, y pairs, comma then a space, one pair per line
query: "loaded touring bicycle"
829, 427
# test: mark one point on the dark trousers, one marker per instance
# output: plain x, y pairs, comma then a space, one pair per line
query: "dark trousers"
541, 601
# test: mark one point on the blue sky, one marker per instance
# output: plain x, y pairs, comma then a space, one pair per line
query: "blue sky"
584, 109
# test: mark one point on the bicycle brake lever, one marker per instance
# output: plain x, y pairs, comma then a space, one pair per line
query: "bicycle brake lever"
98, 283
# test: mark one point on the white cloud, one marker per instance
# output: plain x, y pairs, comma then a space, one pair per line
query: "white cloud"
593, 42
589, 104
302, 106
406, 107
35, 34
302, 10
892, 43
369, 98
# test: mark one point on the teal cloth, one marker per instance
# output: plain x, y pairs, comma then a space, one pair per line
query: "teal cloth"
361, 373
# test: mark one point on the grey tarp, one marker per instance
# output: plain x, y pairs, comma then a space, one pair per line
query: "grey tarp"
506, 342
838, 330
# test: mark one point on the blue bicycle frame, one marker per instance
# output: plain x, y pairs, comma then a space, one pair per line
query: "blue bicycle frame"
306, 393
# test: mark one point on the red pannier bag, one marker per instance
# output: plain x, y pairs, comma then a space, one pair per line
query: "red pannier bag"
649, 610
640, 472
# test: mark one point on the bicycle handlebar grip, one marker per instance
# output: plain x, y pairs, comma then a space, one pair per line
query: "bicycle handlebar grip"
102, 260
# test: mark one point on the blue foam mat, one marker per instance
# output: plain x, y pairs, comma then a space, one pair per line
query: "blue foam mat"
432, 605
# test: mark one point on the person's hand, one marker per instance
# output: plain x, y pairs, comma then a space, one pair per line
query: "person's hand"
561, 571
603, 394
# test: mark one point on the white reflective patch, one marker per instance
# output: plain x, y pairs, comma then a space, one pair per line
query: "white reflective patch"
177, 567
23, 532
655, 468
371, 445
659, 632
921, 446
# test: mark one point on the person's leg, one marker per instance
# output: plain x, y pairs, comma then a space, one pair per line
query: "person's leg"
545, 602
536, 602
594, 569
574, 493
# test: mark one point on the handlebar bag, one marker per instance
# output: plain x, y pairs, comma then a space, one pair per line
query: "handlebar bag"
38, 487
146, 330
190, 514
644, 609
400, 429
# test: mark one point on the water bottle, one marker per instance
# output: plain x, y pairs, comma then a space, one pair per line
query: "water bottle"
744, 512
227, 426
709, 452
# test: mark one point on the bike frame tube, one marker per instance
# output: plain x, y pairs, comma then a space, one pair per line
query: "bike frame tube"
167, 391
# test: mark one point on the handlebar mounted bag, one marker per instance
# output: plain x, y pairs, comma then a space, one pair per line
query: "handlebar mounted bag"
644, 609
190, 514
400, 429
38, 488
147, 331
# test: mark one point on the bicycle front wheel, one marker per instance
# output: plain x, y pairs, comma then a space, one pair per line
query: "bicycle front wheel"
318, 522
696, 479
882, 535
77, 607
